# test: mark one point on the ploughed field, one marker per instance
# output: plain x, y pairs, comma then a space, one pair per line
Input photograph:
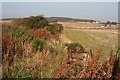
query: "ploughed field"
85, 25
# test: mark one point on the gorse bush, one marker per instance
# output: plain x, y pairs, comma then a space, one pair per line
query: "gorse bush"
58, 27
54, 28
19, 33
20, 36
50, 28
32, 22
75, 48
35, 22
38, 44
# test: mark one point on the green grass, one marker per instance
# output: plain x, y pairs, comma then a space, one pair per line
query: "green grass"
94, 39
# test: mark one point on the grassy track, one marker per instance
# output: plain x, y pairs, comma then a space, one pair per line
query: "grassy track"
94, 39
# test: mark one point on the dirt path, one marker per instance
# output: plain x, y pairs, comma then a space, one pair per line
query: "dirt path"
64, 39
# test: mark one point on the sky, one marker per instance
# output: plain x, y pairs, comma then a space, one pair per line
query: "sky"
102, 11
60, 0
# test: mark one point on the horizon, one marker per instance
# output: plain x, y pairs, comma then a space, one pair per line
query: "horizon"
58, 17
99, 11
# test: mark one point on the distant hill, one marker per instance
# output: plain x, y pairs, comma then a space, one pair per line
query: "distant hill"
8, 19
67, 19
60, 19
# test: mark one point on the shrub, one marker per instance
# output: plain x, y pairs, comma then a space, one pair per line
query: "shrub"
37, 22
8, 49
54, 28
75, 48
41, 33
53, 50
51, 29
32, 22
58, 27
114, 23
38, 44
19, 33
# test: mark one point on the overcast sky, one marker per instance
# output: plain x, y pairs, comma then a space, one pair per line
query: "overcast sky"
102, 11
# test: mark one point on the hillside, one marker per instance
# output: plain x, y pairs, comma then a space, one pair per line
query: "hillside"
67, 19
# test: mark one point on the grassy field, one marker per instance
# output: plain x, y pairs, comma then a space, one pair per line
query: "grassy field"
94, 39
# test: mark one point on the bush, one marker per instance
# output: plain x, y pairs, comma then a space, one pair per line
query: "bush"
32, 22
74, 48
19, 33
58, 27
38, 44
54, 28
51, 29
114, 23
53, 50
41, 33
37, 22
8, 49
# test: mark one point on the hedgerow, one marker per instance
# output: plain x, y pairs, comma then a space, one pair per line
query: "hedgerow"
32, 22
